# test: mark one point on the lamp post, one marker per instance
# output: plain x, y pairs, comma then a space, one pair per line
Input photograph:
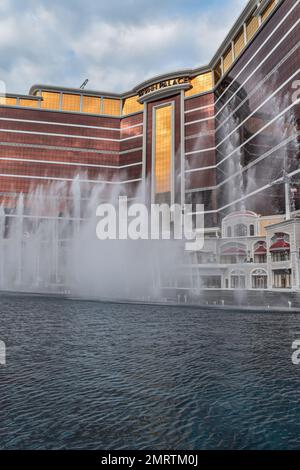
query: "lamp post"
287, 189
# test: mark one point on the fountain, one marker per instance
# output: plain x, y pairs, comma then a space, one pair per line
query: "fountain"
48, 244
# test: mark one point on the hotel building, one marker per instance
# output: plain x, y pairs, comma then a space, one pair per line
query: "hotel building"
224, 135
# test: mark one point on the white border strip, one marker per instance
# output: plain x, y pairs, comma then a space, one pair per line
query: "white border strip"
69, 149
259, 107
263, 188
55, 123
71, 136
199, 108
250, 165
249, 61
251, 93
84, 126
246, 141
53, 162
258, 67
51, 178
262, 45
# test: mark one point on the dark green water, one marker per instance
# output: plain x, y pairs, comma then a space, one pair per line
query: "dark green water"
107, 376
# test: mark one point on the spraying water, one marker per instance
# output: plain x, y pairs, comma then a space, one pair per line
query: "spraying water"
48, 244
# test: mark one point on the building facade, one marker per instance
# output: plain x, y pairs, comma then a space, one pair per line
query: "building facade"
224, 135
252, 252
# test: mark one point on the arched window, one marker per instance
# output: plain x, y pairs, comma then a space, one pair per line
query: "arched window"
252, 230
259, 279
280, 247
229, 232
232, 253
260, 252
237, 279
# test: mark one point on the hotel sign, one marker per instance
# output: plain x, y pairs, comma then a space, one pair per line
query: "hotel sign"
165, 84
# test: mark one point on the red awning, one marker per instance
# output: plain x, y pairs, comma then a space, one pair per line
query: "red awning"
261, 250
280, 245
234, 251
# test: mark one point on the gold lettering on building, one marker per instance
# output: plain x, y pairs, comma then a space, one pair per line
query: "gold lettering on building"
164, 84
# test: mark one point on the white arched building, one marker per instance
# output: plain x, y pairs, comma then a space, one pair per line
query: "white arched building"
252, 252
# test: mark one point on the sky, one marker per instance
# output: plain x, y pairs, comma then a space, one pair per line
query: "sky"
116, 44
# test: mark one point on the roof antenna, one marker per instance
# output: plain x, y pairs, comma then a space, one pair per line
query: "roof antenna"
82, 87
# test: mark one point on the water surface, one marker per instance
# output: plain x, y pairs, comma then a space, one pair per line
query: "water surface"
90, 375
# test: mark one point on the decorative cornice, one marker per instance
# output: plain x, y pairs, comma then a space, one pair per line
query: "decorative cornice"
74, 91
22, 97
163, 88
171, 75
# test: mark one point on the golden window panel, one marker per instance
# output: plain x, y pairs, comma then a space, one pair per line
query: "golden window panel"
252, 26
91, 105
8, 101
268, 10
111, 107
239, 43
163, 149
29, 103
71, 103
265, 223
50, 100
227, 59
200, 84
131, 105
218, 72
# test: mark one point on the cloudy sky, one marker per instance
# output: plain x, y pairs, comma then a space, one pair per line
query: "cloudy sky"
114, 43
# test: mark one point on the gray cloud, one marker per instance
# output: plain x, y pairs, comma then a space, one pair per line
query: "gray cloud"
116, 43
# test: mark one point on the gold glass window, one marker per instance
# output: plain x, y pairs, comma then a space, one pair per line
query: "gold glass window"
268, 10
239, 43
252, 27
218, 72
131, 105
91, 105
111, 106
200, 84
29, 103
227, 59
50, 100
8, 101
163, 149
71, 103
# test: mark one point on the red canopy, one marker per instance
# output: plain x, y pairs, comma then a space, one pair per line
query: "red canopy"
261, 250
280, 245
